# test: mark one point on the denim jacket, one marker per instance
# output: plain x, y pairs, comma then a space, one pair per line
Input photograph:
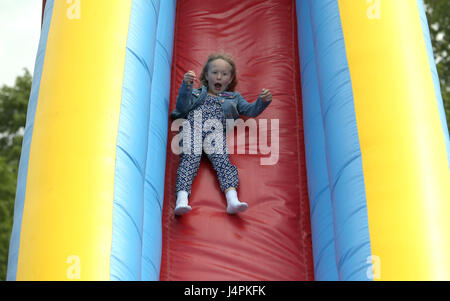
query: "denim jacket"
233, 104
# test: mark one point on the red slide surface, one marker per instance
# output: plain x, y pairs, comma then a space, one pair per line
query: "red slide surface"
272, 239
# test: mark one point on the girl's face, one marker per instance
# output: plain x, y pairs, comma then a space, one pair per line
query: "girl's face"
219, 76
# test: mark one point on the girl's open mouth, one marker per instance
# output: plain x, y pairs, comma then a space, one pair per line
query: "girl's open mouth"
218, 86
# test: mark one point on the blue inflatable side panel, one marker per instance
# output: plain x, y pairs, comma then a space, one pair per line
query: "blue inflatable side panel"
26, 143
342, 143
132, 142
157, 141
322, 226
434, 75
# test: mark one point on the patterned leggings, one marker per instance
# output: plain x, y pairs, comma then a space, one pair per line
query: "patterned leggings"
215, 147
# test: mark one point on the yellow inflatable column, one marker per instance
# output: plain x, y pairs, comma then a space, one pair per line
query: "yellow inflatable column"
406, 170
67, 215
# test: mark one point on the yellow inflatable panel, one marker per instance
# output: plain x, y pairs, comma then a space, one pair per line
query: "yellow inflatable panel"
70, 181
405, 164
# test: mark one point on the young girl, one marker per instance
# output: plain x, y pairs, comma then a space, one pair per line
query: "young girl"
215, 100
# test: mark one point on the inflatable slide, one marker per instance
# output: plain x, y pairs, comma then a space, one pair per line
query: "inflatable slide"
346, 173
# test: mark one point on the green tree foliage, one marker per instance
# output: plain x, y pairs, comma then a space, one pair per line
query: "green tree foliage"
13, 108
438, 15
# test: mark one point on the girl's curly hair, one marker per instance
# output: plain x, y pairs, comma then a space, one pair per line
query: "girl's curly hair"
226, 57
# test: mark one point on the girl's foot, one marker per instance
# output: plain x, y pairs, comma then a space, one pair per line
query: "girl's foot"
182, 209
182, 206
234, 205
236, 208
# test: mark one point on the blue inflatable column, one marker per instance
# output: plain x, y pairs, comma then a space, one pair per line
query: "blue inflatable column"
322, 226
132, 142
343, 153
157, 142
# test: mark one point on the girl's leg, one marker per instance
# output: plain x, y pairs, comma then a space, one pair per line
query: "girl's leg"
227, 174
187, 170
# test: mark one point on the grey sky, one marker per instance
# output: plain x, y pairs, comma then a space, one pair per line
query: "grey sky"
20, 25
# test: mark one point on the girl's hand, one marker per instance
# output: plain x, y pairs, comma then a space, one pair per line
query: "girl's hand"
189, 77
265, 95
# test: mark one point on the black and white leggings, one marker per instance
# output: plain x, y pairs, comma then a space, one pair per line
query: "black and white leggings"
212, 142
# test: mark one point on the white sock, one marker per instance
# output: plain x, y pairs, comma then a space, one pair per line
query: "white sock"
234, 205
182, 206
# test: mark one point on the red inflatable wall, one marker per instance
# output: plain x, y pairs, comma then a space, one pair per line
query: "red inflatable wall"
272, 239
